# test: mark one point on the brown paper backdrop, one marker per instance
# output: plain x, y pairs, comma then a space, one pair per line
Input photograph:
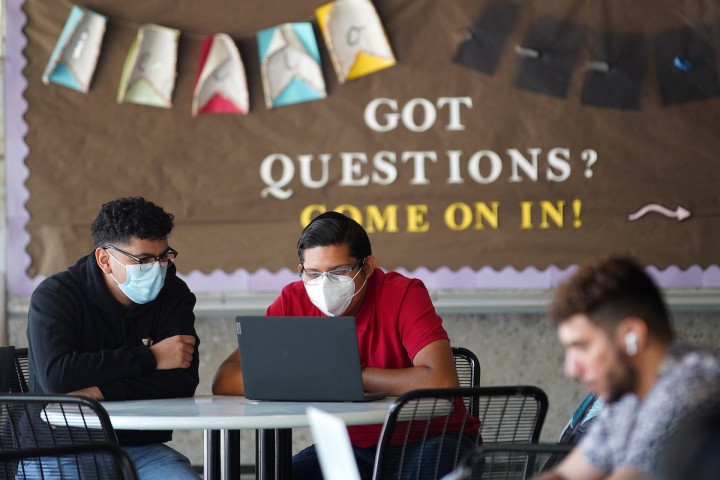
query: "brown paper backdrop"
86, 149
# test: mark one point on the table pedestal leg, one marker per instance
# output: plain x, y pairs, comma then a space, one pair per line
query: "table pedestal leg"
283, 439
273, 454
230, 454
211, 460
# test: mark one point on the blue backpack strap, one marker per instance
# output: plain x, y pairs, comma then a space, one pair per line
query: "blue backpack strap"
581, 419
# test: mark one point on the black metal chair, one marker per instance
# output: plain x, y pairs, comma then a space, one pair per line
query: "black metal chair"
426, 419
22, 368
512, 414
13, 370
468, 370
49, 422
424, 434
508, 461
467, 366
105, 454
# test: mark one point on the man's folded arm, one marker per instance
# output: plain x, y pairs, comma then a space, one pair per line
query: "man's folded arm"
58, 367
433, 367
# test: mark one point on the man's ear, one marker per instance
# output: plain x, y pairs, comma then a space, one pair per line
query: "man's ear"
369, 265
300, 268
102, 257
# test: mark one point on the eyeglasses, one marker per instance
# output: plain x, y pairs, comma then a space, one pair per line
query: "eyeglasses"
332, 275
166, 258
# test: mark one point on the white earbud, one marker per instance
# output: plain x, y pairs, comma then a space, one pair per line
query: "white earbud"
631, 343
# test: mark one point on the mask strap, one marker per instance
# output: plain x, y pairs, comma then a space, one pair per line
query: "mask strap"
123, 265
359, 289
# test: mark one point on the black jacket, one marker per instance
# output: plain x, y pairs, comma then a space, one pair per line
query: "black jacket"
79, 336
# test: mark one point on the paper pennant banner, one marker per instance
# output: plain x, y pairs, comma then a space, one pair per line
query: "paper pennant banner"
221, 84
148, 77
290, 64
355, 38
74, 58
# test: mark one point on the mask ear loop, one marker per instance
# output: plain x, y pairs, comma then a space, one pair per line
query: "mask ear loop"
123, 265
353, 281
359, 289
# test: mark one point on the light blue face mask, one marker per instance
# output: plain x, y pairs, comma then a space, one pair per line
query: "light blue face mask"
141, 287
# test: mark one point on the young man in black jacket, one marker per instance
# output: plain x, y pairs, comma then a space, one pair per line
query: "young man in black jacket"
119, 325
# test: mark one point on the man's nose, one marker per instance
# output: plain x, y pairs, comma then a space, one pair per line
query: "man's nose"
572, 367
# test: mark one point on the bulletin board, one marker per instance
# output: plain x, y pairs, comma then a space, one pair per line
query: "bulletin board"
509, 141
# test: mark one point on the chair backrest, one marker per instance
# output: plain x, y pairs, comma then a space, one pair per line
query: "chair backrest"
426, 433
22, 368
31, 422
421, 421
13, 370
467, 366
512, 414
468, 370
106, 460
508, 461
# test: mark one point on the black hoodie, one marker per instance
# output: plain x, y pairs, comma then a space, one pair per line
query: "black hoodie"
80, 336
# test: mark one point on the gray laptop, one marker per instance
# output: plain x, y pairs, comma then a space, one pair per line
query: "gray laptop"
301, 359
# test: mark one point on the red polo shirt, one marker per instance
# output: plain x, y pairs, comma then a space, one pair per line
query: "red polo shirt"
396, 320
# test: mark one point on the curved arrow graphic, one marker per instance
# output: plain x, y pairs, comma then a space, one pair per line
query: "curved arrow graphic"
680, 213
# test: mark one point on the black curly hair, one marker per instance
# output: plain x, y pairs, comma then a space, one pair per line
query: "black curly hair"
121, 219
609, 290
333, 228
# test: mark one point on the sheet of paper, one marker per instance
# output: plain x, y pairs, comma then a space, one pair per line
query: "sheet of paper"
332, 442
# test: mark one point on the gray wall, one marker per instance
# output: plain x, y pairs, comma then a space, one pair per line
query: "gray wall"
513, 349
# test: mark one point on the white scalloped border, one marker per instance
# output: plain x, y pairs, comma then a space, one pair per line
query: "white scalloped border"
20, 285
444, 278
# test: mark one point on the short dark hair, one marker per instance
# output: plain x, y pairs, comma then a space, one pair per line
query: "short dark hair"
124, 218
333, 228
609, 290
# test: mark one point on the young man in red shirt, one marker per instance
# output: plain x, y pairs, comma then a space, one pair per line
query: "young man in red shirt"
403, 345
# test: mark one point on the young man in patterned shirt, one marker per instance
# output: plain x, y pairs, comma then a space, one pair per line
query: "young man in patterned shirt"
618, 340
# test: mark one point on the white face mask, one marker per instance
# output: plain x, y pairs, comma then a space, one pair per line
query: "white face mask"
332, 293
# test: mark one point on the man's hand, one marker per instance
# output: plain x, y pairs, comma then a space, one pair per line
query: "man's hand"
92, 392
174, 352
